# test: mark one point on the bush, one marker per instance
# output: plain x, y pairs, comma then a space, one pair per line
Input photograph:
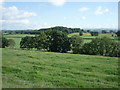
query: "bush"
41, 41
115, 49
27, 42
101, 46
118, 33
76, 44
80, 33
57, 41
94, 33
11, 43
5, 42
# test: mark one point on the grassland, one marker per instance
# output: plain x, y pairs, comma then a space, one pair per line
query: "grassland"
87, 36
17, 38
35, 69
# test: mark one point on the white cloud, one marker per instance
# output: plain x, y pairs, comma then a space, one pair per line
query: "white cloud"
83, 9
12, 13
57, 2
13, 18
101, 10
83, 17
1, 2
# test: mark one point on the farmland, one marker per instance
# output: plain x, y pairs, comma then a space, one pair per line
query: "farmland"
35, 69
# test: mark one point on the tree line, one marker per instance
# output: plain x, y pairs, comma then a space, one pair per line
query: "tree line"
57, 41
37, 32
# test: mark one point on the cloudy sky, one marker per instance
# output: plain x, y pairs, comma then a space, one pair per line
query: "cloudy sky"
35, 15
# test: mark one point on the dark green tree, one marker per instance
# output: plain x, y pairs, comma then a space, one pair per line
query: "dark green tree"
104, 31
27, 42
76, 44
5, 42
41, 41
118, 33
98, 46
11, 43
95, 33
57, 41
80, 33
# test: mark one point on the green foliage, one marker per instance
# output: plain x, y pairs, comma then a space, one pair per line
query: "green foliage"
118, 33
5, 42
76, 44
80, 33
27, 42
57, 41
114, 51
101, 46
54, 41
95, 33
63, 29
41, 41
104, 31
11, 43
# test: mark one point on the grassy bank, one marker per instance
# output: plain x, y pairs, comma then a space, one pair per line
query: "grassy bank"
35, 69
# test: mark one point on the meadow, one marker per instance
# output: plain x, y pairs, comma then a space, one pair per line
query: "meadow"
35, 69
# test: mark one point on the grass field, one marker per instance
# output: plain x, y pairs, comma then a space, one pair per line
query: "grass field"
17, 38
35, 69
87, 35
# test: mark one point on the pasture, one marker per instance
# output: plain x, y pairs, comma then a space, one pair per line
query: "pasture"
17, 38
35, 69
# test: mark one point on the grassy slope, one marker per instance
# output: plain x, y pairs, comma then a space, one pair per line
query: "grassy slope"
22, 68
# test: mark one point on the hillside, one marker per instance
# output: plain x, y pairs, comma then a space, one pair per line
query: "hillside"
35, 69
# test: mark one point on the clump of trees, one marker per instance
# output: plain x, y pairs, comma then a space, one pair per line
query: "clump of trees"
76, 44
81, 33
118, 33
101, 46
6, 42
58, 41
53, 41
94, 33
37, 32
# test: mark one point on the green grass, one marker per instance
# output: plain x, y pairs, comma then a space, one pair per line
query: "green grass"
35, 69
17, 38
87, 37
17, 35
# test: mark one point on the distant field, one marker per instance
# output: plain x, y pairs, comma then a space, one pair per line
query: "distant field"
35, 69
17, 38
87, 37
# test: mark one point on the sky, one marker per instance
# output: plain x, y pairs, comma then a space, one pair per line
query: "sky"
36, 15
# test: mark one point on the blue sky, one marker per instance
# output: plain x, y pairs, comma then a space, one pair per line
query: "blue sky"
35, 15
